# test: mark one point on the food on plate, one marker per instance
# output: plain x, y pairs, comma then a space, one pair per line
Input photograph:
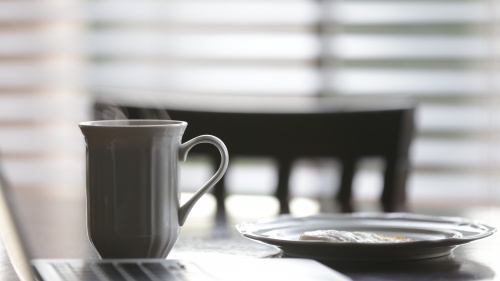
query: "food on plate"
331, 235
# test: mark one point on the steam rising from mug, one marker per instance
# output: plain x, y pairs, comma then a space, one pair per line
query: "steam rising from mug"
109, 111
133, 208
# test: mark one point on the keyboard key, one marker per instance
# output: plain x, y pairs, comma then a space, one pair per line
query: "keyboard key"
135, 271
161, 272
84, 272
65, 271
110, 271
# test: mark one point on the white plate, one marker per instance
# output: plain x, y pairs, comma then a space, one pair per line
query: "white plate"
433, 236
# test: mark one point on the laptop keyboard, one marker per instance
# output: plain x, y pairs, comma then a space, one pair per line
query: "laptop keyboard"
129, 271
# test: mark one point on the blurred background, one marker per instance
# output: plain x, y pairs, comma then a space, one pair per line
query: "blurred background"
443, 55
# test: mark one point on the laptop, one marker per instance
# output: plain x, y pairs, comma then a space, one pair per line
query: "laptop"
224, 269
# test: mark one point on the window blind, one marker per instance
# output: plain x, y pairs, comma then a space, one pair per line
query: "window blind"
41, 97
441, 54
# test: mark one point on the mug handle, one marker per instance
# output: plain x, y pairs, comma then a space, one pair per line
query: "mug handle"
183, 152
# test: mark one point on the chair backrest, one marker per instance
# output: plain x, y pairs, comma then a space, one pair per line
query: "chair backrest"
345, 134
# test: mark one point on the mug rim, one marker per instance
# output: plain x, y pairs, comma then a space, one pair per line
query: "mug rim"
129, 123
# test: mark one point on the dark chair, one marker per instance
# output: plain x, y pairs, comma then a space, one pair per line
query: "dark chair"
345, 134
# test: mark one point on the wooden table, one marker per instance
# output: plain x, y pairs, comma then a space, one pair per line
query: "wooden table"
55, 228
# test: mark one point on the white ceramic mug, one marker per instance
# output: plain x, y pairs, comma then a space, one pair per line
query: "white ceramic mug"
133, 208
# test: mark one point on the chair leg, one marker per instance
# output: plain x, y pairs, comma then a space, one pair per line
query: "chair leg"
220, 199
344, 195
282, 190
394, 192
219, 192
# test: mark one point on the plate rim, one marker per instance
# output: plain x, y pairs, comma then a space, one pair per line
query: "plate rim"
486, 230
